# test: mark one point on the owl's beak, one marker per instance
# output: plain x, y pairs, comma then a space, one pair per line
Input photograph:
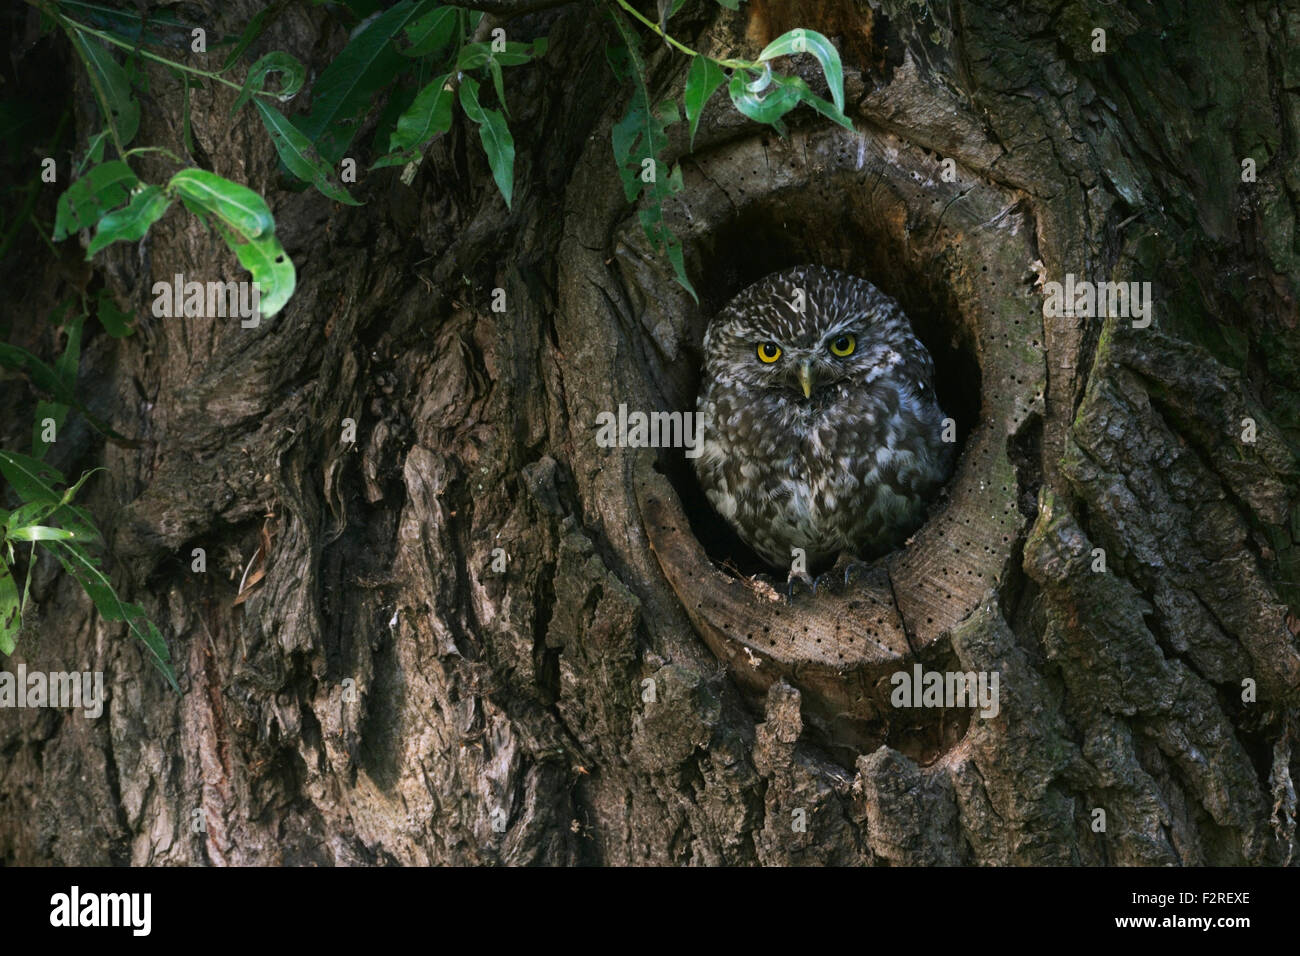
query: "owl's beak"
806, 377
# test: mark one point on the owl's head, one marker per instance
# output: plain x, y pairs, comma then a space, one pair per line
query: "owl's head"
804, 331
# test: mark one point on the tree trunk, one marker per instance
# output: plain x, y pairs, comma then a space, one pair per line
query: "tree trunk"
1119, 545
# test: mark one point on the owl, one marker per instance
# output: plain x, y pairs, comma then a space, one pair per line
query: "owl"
820, 423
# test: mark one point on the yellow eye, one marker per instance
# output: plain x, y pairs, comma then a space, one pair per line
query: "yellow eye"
843, 345
768, 352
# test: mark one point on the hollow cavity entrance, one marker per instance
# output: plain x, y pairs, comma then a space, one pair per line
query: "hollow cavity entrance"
809, 226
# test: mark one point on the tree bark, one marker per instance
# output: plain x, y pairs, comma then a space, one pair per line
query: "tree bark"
618, 695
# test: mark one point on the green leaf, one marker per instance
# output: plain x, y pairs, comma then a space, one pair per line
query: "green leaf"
810, 41
433, 31
428, 116
272, 269
641, 135
619, 58
763, 82
516, 54
32, 479
640, 140
147, 631
292, 71
702, 81
300, 156
497, 142
806, 95
72, 492
473, 55
498, 82
94, 151
78, 562
79, 521
30, 514
344, 89
112, 88
81, 565
115, 322
161, 28
43, 376
251, 32
663, 239
396, 102
779, 100
61, 512
131, 223
65, 368
634, 139
36, 532
10, 615
675, 183
238, 206
673, 249
70, 358
396, 159
47, 380
89, 198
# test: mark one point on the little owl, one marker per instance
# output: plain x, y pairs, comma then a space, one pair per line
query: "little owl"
821, 427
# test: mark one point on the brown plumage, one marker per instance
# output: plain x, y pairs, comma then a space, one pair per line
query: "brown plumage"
836, 443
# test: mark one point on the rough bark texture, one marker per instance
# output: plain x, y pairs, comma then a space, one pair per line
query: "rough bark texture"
384, 696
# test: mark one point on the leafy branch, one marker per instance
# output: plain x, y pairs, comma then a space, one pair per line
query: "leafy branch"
109, 198
46, 516
640, 139
48, 519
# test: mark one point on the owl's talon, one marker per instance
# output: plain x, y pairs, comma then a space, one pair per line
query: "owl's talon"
852, 568
799, 577
825, 582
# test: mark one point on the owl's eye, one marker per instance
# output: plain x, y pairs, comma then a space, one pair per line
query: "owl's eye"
768, 352
844, 345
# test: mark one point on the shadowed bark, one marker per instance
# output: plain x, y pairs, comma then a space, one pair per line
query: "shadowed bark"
619, 694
